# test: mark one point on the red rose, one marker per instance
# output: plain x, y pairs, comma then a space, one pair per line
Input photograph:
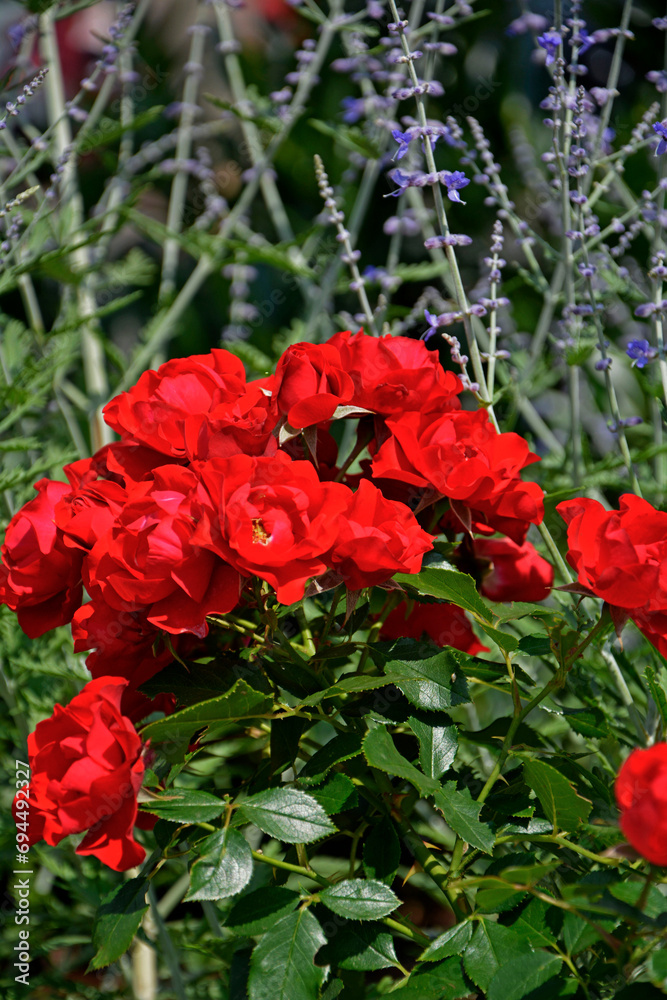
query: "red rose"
395, 374
641, 794
154, 411
271, 518
463, 457
243, 425
310, 383
40, 577
377, 538
516, 572
620, 555
86, 771
445, 624
148, 559
124, 643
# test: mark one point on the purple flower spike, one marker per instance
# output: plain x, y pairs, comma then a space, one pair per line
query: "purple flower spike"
454, 180
550, 41
661, 129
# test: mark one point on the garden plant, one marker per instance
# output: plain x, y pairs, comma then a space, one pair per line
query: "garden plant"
333, 581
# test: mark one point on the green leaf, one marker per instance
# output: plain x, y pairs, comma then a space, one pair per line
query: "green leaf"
657, 691
578, 935
523, 609
438, 743
506, 641
452, 942
360, 899
380, 752
338, 749
522, 975
532, 924
431, 682
258, 911
185, 805
562, 805
461, 812
288, 814
285, 736
359, 947
223, 868
333, 989
382, 852
492, 947
348, 684
239, 703
117, 921
448, 584
535, 645
338, 795
437, 982
282, 966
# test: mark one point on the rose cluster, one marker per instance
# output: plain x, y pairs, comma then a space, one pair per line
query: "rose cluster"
220, 489
621, 556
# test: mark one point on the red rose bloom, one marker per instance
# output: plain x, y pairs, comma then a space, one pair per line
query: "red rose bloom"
641, 794
395, 374
124, 643
445, 624
271, 518
40, 577
462, 456
516, 572
86, 771
310, 383
377, 538
154, 411
243, 425
148, 559
620, 555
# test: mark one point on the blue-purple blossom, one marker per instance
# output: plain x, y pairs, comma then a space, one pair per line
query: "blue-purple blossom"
658, 77
550, 41
454, 180
661, 129
641, 352
403, 139
584, 41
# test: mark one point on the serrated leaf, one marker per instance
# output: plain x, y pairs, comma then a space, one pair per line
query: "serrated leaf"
285, 736
258, 911
438, 743
288, 814
333, 989
437, 982
563, 806
185, 805
380, 752
282, 966
452, 942
532, 924
117, 921
223, 868
360, 899
507, 642
522, 975
239, 703
492, 946
448, 584
382, 852
337, 795
461, 812
340, 748
535, 645
359, 947
351, 684
428, 682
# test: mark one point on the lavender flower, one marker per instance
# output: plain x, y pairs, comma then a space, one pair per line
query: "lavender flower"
550, 41
527, 22
403, 139
641, 353
661, 129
